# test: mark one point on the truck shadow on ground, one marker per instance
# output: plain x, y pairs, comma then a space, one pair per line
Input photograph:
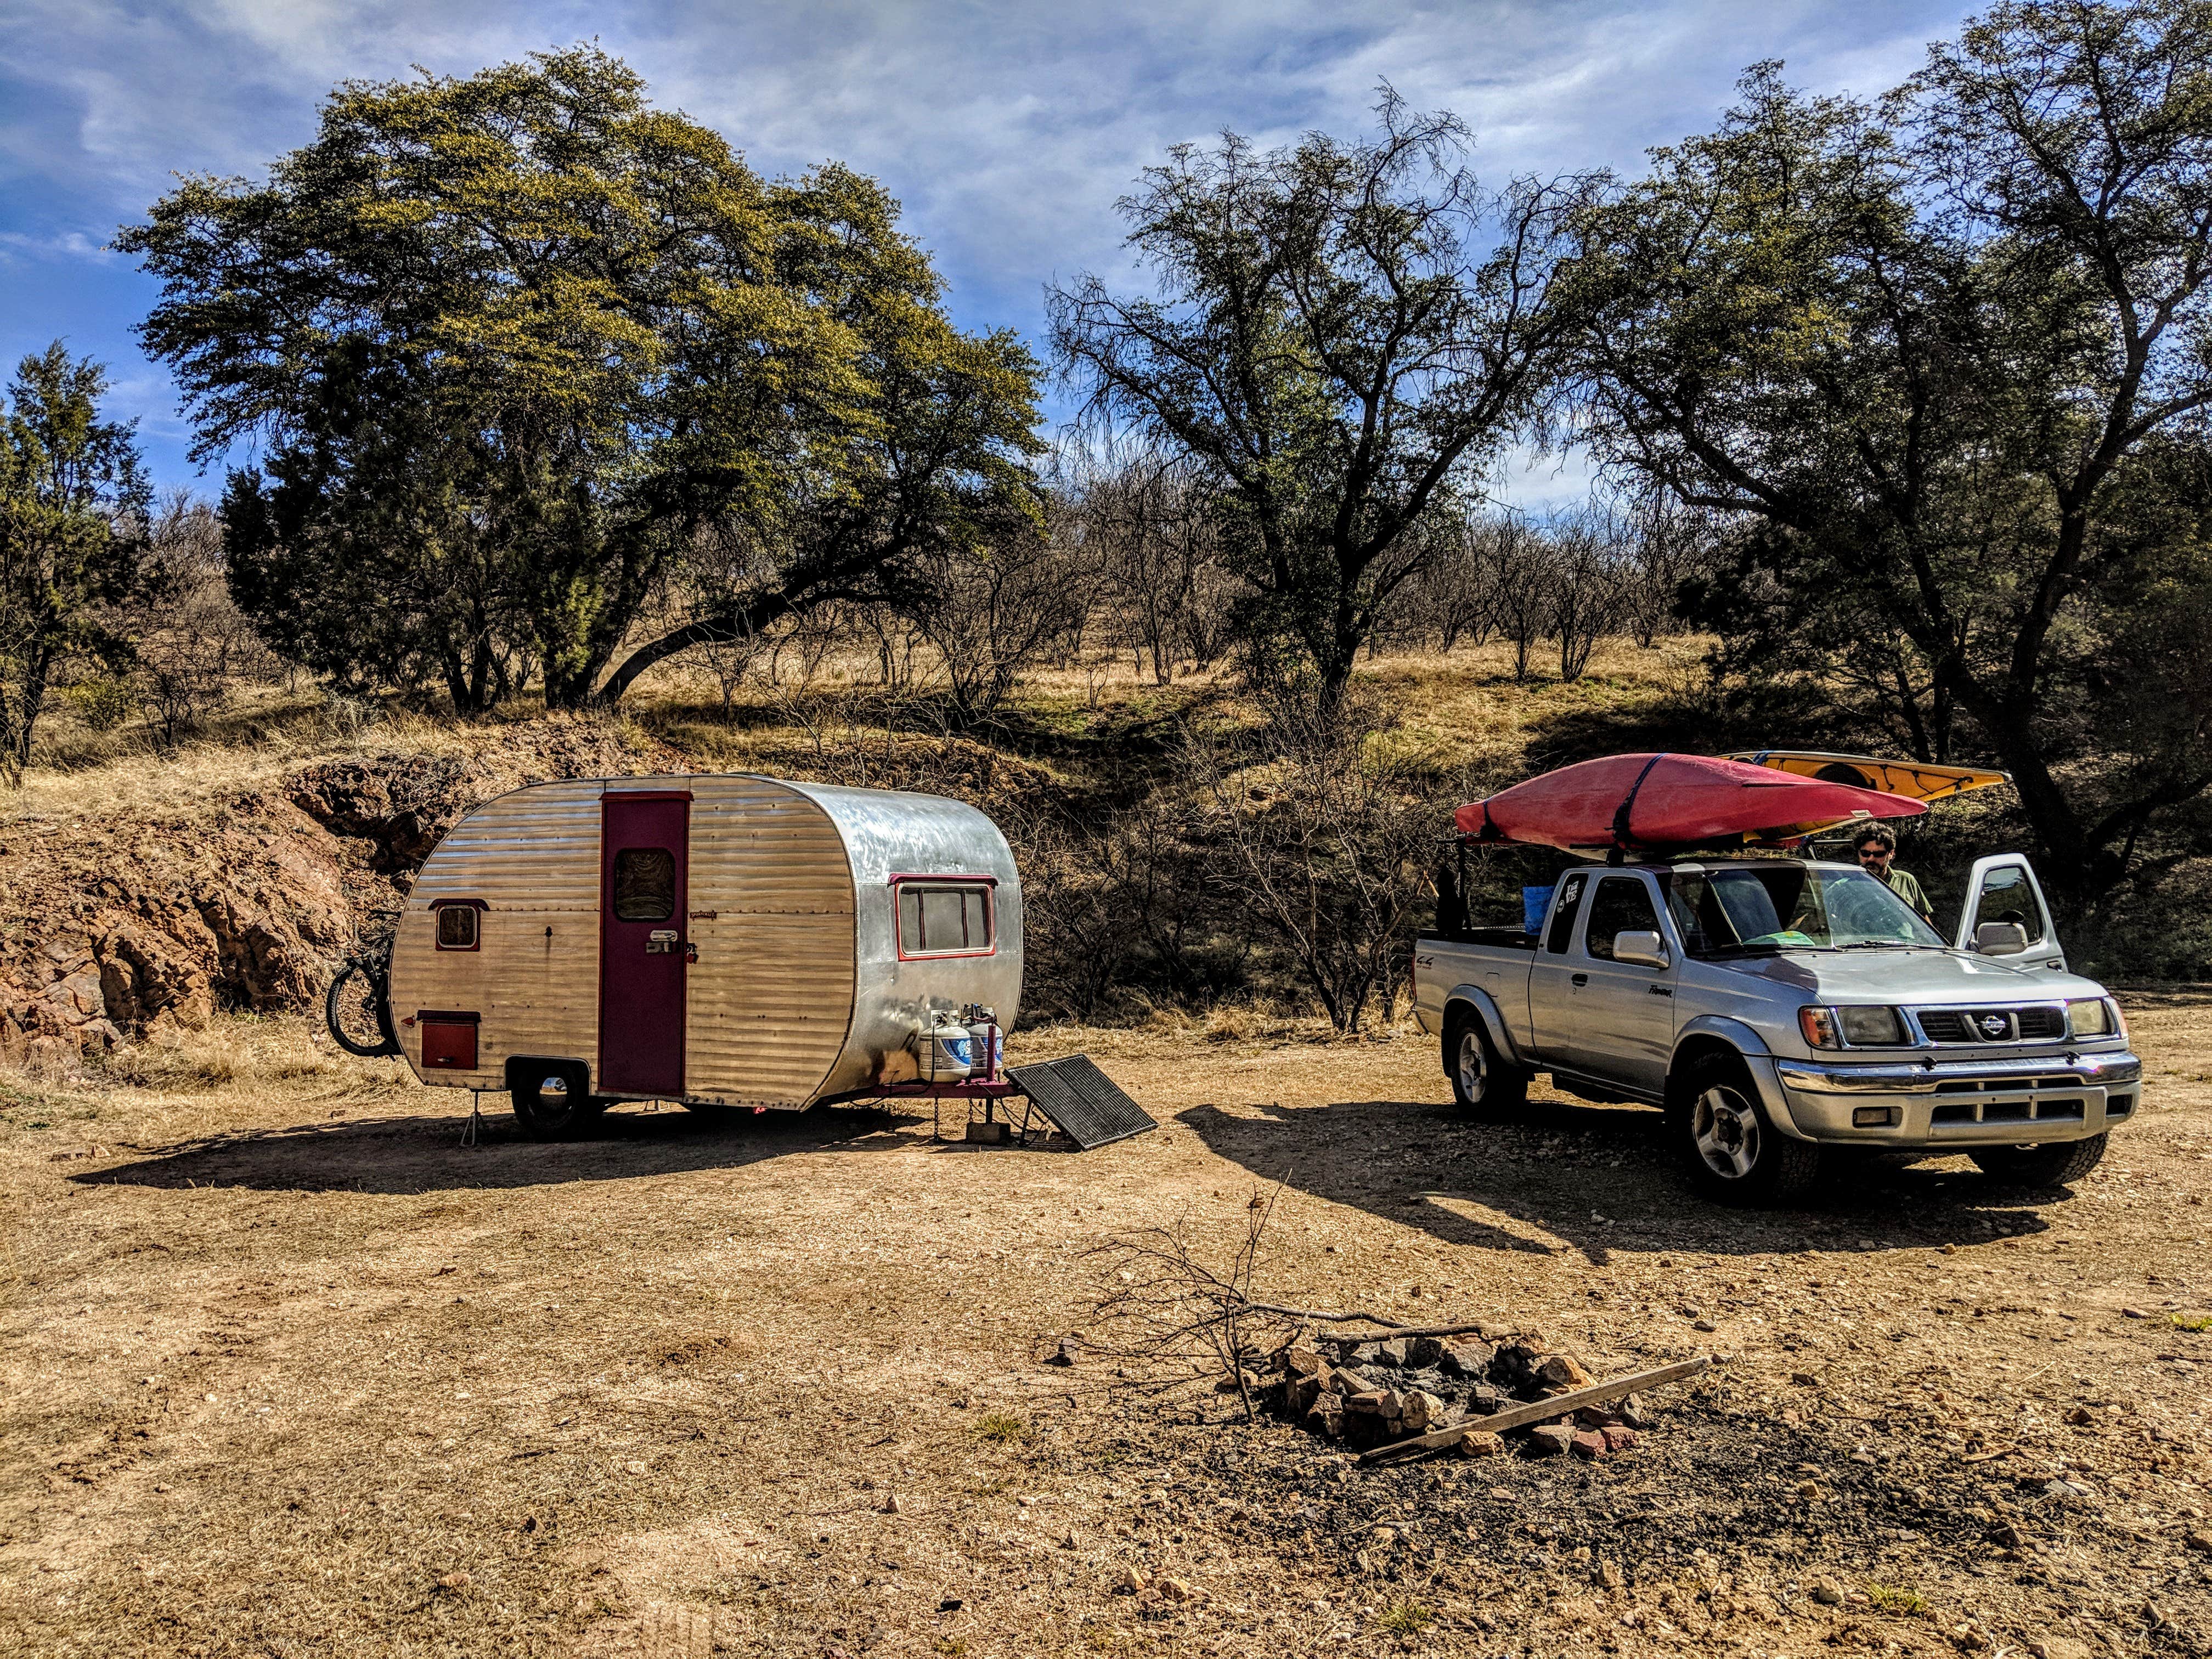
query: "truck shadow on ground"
421, 1152
1560, 1176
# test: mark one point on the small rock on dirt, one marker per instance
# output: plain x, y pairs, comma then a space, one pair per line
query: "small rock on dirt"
1826, 1591
1481, 1444
1550, 1439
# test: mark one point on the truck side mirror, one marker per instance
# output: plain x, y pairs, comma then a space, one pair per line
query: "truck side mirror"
1645, 949
1999, 938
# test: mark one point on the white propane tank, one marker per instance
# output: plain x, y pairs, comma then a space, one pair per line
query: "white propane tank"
950, 1055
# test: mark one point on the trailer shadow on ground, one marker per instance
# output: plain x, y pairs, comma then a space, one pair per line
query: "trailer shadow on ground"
422, 1152
1562, 1176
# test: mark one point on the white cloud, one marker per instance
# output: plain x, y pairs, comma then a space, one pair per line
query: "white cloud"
1007, 127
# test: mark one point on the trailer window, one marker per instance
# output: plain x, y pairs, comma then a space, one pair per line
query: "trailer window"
944, 919
457, 927
645, 884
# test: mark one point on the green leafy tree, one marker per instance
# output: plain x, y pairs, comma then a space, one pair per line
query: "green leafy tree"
514, 342
1338, 334
1922, 353
74, 505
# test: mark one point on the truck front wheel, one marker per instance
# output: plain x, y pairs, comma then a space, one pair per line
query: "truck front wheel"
1732, 1148
2041, 1166
1481, 1079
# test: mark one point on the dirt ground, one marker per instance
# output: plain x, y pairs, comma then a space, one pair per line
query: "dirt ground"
289, 1370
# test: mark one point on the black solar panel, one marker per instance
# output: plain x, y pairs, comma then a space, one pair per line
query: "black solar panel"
1081, 1101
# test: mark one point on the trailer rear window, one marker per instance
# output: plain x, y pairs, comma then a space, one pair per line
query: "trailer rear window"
944, 919
457, 926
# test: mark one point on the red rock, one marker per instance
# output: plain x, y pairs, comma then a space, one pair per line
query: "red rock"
1587, 1443
1617, 1438
1550, 1439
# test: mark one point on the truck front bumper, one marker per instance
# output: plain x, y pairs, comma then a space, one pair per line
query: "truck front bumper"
1954, 1103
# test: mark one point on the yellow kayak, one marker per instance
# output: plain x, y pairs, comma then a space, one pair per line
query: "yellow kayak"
1916, 779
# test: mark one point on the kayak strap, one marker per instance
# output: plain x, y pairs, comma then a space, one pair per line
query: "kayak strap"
1620, 836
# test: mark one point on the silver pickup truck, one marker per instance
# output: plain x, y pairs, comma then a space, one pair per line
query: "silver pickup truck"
1776, 1007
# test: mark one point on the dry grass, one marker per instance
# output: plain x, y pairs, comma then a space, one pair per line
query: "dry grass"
287, 1370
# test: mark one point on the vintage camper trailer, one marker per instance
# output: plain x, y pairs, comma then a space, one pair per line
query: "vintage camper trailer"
728, 941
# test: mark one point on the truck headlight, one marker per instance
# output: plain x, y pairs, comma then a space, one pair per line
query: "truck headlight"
2092, 1017
1870, 1027
1818, 1025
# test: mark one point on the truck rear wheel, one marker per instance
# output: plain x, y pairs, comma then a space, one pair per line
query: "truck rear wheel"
2059, 1165
1733, 1149
1481, 1079
552, 1098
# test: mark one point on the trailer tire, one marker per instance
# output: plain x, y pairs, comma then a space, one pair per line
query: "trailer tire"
552, 1098
1481, 1079
1730, 1146
2041, 1166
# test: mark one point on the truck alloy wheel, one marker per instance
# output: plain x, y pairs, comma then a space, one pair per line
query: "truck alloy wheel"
1481, 1080
1728, 1131
1735, 1153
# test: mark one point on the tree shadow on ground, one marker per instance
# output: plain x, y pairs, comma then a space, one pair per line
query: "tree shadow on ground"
422, 1152
1560, 1175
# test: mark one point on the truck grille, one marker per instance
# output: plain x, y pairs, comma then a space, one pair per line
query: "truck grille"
2044, 1024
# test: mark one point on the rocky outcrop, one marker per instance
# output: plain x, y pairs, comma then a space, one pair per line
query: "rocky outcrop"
127, 928
115, 929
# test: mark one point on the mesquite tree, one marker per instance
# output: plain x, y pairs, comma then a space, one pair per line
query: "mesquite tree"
74, 505
1940, 362
511, 342
1338, 334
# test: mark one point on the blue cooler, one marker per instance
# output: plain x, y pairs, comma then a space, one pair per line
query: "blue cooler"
1534, 901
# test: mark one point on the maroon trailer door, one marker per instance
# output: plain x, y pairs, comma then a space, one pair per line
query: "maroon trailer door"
645, 844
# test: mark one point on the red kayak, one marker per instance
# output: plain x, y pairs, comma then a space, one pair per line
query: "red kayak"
1671, 802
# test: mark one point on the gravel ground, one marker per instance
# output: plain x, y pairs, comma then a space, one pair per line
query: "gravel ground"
289, 1371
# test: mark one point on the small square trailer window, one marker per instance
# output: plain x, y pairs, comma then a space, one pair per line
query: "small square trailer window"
457, 926
944, 919
645, 884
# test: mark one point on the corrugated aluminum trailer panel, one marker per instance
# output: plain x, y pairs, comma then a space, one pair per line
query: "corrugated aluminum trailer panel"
532, 857
771, 909
800, 992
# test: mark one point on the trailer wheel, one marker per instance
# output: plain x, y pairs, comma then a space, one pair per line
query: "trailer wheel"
1733, 1149
1481, 1080
552, 1098
2041, 1166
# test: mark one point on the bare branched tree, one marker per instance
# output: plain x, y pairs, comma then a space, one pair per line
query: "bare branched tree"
1325, 839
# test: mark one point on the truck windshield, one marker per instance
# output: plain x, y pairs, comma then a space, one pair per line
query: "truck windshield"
1785, 907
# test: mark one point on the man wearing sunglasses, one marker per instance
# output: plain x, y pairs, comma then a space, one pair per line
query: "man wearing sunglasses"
1876, 847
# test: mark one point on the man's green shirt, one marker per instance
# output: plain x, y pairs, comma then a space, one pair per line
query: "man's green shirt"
1908, 889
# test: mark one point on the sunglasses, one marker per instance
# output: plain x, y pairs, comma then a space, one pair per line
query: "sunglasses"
1874, 852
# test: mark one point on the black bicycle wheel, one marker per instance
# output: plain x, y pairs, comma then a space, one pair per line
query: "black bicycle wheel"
358, 1014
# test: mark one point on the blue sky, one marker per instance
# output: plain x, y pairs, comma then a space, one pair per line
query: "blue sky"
1007, 129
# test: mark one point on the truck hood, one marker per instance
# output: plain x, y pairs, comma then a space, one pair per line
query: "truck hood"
1911, 976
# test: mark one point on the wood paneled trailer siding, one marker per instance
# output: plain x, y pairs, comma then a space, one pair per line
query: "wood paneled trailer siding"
799, 990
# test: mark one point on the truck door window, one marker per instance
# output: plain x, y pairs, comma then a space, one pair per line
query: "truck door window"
2006, 896
1621, 905
1570, 905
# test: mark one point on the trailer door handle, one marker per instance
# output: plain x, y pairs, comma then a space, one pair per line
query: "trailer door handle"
1580, 979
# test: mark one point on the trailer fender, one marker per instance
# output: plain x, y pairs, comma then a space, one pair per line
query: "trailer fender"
1709, 1032
1485, 1006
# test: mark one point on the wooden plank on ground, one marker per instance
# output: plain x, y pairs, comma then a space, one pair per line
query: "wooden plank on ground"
1541, 1410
